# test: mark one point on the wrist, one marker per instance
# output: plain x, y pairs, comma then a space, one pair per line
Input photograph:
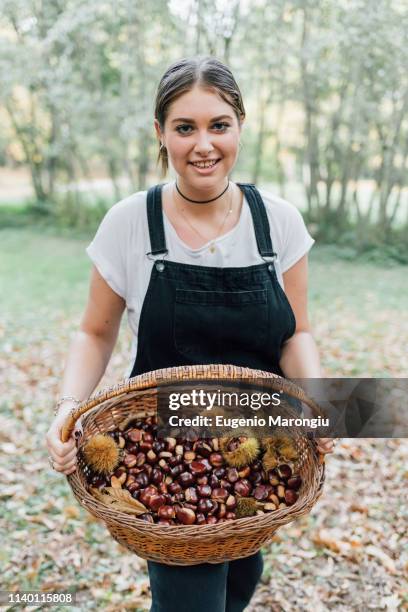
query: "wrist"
65, 404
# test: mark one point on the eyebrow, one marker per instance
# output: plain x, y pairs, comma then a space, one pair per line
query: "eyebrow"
187, 120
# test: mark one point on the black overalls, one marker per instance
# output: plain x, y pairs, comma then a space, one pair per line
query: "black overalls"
197, 315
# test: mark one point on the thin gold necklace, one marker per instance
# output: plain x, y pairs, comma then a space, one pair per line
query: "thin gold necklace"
211, 246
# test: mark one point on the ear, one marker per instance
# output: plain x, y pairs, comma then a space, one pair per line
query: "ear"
158, 130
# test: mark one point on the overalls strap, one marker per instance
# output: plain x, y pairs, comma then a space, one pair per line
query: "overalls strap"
155, 221
260, 219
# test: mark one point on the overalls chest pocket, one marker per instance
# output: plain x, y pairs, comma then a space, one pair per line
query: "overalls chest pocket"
206, 323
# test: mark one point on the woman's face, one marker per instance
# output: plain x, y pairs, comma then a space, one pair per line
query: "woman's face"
201, 127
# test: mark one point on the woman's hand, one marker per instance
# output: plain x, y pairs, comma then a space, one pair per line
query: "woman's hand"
325, 445
63, 454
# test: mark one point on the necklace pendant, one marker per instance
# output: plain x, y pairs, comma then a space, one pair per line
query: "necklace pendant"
212, 248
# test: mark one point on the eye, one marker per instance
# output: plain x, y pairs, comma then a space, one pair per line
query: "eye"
180, 129
184, 128
222, 124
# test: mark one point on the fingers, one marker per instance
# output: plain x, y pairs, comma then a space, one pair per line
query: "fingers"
66, 467
63, 454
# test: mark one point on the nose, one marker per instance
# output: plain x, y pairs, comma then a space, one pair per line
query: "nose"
203, 144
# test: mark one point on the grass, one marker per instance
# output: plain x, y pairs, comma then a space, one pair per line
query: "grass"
43, 269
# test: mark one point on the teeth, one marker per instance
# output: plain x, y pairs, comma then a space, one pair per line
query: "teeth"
204, 164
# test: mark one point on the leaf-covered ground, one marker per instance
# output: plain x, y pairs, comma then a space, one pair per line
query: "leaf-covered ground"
350, 553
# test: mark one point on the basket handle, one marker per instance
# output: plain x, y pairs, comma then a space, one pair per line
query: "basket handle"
154, 378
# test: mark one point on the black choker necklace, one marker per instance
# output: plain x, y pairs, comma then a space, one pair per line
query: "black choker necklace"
201, 201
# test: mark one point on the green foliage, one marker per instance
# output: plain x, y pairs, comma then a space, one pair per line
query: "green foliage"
324, 85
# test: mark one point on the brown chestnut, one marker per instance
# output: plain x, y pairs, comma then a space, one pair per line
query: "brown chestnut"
186, 479
216, 460
219, 494
260, 492
291, 496
186, 516
204, 490
155, 501
232, 474
284, 471
243, 487
190, 495
295, 482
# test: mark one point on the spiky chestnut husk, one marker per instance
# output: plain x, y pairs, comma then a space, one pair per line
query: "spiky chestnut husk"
289, 452
269, 460
246, 452
281, 446
246, 506
102, 453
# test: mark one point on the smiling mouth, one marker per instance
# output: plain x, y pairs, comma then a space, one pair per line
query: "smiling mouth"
207, 164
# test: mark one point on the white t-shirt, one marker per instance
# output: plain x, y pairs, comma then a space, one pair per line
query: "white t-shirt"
119, 248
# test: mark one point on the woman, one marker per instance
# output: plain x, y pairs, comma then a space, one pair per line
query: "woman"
200, 263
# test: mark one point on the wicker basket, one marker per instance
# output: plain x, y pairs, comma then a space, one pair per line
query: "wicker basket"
182, 544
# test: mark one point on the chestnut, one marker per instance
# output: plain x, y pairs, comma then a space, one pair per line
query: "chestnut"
280, 491
164, 466
206, 505
260, 492
191, 495
202, 448
189, 456
174, 460
157, 476
155, 501
133, 486
226, 484
151, 456
158, 446
274, 499
142, 479
232, 474
295, 482
198, 467
243, 487
135, 435
200, 519
230, 502
255, 478
171, 444
273, 477
166, 512
284, 471
213, 481
185, 479
129, 460
119, 471
216, 460
176, 470
145, 446
291, 496
204, 490
222, 511
186, 516
146, 517
219, 494
174, 487
202, 480
140, 459
244, 472
220, 472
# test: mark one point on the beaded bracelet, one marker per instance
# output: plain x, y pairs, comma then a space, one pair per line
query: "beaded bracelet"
63, 399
